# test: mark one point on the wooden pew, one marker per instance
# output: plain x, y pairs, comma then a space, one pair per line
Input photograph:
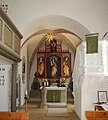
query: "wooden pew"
96, 115
14, 116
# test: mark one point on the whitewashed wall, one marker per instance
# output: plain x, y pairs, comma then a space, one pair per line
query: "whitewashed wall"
78, 76
90, 76
33, 70
23, 82
91, 85
90, 13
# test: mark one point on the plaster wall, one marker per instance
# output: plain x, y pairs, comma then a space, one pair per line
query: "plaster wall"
91, 85
33, 70
93, 79
78, 76
91, 14
23, 81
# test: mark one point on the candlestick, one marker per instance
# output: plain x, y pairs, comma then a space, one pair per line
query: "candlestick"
26, 99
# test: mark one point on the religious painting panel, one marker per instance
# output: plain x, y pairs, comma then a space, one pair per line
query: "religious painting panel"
66, 64
53, 65
41, 65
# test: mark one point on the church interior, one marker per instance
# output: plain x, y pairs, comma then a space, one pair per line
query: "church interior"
53, 60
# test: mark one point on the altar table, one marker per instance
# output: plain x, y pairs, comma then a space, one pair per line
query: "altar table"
54, 95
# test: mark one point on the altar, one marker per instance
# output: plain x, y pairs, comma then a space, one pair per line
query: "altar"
54, 96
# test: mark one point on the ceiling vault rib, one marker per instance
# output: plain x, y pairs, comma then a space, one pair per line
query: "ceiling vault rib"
57, 31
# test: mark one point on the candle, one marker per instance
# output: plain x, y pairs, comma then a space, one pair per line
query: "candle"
44, 83
47, 83
26, 92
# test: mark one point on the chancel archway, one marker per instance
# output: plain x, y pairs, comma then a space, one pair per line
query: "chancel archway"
71, 32
42, 36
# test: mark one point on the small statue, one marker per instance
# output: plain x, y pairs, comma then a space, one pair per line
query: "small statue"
40, 66
53, 64
66, 67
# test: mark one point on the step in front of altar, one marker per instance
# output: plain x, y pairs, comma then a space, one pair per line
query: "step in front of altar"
56, 105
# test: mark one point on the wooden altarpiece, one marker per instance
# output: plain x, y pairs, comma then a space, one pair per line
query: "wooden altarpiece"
53, 61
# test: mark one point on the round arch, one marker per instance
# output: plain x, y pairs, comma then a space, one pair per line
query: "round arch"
54, 22
57, 24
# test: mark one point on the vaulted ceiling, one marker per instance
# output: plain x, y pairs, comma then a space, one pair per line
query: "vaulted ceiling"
71, 39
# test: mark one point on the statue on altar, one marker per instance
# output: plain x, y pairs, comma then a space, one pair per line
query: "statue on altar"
53, 45
53, 64
40, 66
66, 66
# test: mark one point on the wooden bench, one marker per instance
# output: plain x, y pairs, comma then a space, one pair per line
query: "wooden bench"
14, 116
96, 115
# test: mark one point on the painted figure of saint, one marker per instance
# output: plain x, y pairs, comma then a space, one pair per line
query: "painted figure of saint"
66, 67
53, 64
40, 66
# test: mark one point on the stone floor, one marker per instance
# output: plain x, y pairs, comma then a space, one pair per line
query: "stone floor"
37, 113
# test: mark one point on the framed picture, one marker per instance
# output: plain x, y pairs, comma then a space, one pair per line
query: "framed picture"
102, 96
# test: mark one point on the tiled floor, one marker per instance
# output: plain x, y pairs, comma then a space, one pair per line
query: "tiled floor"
37, 113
